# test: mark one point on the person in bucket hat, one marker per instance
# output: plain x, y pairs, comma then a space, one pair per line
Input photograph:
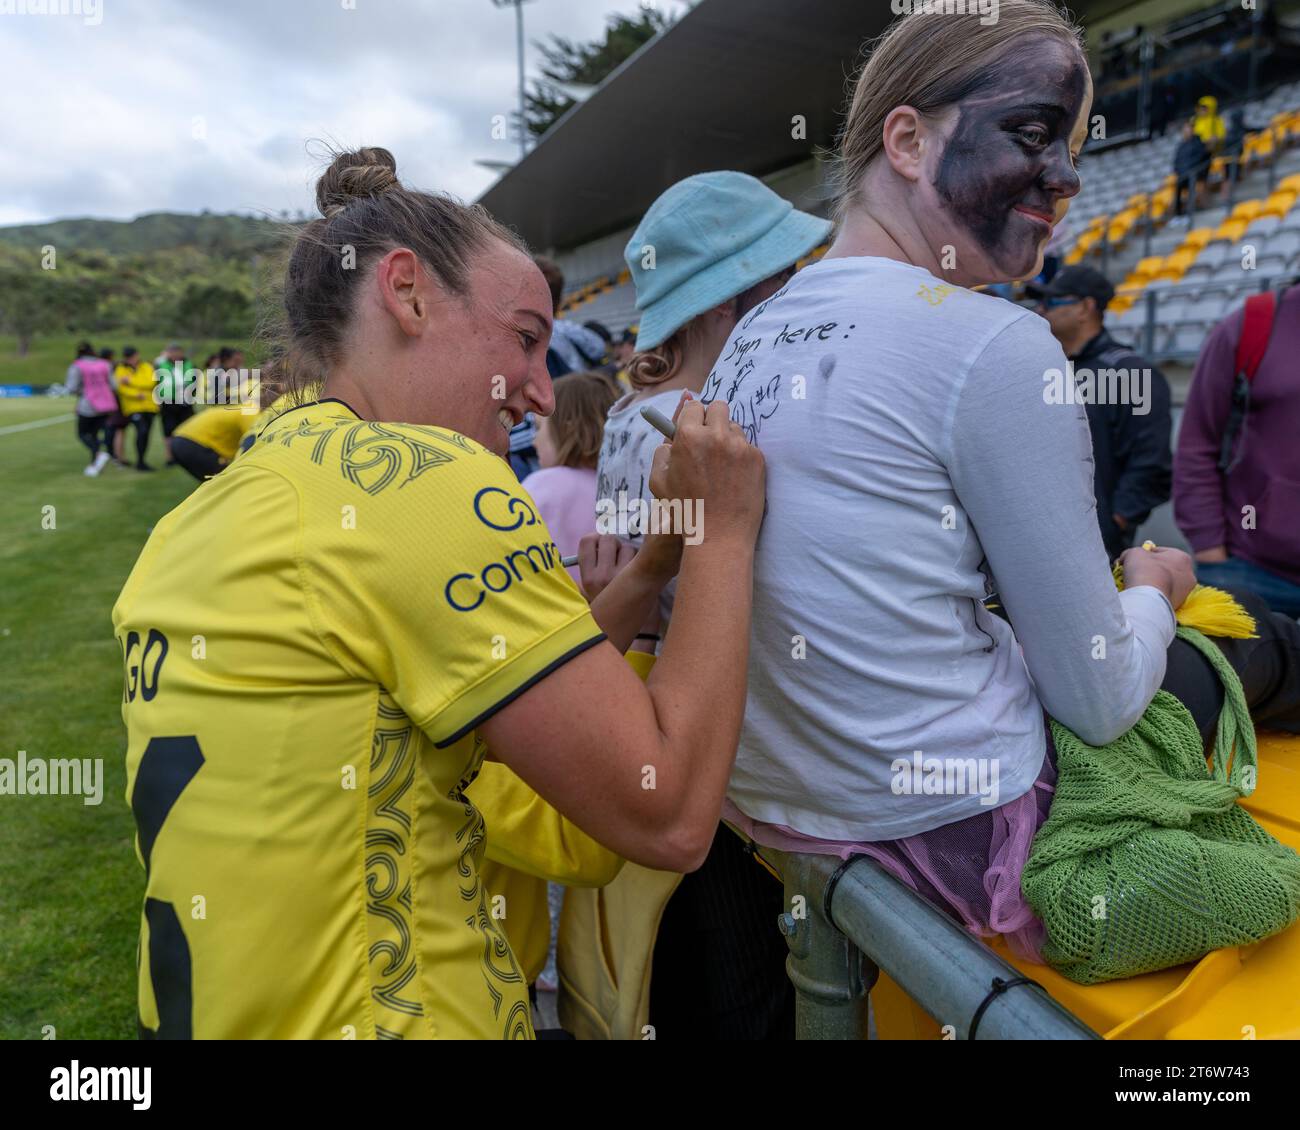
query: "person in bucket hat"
710, 249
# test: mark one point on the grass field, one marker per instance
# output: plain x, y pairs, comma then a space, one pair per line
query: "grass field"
70, 885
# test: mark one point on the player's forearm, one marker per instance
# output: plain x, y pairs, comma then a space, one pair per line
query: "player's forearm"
626, 602
698, 686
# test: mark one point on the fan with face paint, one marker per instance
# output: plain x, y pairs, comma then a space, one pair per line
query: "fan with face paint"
1006, 171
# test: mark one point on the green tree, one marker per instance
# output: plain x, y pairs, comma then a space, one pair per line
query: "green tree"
35, 301
585, 64
212, 310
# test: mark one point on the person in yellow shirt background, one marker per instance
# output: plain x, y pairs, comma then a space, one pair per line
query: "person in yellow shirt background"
1208, 124
207, 441
134, 378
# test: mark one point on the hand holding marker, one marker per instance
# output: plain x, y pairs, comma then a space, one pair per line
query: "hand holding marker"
655, 419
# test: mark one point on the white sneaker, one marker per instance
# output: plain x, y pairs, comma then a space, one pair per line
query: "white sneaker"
97, 465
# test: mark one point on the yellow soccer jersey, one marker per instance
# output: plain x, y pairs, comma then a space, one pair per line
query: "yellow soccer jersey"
135, 388
310, 640
218, 428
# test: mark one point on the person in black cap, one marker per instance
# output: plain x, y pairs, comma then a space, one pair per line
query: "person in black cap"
1130, 431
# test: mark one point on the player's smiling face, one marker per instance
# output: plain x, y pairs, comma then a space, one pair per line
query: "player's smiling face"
483, 355
1005, 173
511, 309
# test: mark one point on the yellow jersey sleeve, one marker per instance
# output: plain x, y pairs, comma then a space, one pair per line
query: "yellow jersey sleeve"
218, 428
433, 574
526, 833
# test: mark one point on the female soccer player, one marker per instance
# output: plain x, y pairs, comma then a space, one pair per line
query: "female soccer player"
380, 609
135, 389
913, 456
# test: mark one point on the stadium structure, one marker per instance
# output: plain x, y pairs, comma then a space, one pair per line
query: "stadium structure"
701, 96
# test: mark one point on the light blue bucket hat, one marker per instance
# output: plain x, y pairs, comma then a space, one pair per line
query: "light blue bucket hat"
713, 236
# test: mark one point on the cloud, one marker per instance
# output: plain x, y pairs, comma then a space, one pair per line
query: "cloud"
182, 105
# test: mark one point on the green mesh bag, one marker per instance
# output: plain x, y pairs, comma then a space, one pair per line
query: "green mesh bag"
1146, 860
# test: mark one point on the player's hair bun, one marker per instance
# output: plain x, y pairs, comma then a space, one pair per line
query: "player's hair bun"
355, 175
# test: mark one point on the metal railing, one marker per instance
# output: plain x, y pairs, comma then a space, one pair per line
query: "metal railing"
856, 920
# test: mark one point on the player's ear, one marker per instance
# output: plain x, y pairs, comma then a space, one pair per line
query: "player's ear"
402, 285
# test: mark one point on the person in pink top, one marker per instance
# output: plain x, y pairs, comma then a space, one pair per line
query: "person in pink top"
568, 442
89, 378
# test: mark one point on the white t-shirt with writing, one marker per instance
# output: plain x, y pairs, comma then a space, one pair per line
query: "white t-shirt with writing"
623, 473
914, 466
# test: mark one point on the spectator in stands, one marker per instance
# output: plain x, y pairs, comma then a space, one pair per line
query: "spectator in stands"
568, 443
89, 377
623, 351
175, 392
135, 386
725, 244
1130, 441
1191, 163
1208, 124
1237, 472
573, 347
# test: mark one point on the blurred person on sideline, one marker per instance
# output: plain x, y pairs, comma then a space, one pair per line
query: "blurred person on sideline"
1237, 467
136, 384
207, 441
1133, 464
116, 419
90, 379
174, 392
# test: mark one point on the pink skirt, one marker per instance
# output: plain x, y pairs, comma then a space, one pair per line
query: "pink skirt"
970, 869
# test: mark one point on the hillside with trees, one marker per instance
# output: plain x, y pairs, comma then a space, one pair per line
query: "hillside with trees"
160, 274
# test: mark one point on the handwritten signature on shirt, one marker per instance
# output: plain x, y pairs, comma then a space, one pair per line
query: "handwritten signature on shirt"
748, 410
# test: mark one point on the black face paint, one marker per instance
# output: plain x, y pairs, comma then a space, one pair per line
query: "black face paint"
1011, 149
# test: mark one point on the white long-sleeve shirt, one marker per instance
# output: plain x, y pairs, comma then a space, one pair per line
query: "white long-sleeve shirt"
915, 462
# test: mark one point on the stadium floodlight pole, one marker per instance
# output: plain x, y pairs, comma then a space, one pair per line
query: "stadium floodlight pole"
518, 6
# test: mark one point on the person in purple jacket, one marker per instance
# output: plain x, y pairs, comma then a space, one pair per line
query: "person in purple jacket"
1243, 523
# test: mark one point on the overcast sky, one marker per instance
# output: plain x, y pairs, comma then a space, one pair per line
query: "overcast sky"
180, 105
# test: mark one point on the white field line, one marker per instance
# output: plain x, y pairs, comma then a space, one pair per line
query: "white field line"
36, 424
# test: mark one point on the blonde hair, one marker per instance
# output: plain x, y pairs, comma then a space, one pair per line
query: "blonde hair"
930, 62
651, 367
577, 426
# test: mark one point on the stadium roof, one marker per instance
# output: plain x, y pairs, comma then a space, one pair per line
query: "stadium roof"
716, 90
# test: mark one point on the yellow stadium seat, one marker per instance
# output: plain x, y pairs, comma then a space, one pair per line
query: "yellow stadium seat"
1075, 256
1247, 210
1279, 204
1144, 271
1230, 230
1197, 239
1290, 184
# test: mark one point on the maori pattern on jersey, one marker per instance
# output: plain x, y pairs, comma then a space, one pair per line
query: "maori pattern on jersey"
499, 966
388, 872
373, 456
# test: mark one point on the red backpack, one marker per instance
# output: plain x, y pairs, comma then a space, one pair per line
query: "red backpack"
1256, 333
